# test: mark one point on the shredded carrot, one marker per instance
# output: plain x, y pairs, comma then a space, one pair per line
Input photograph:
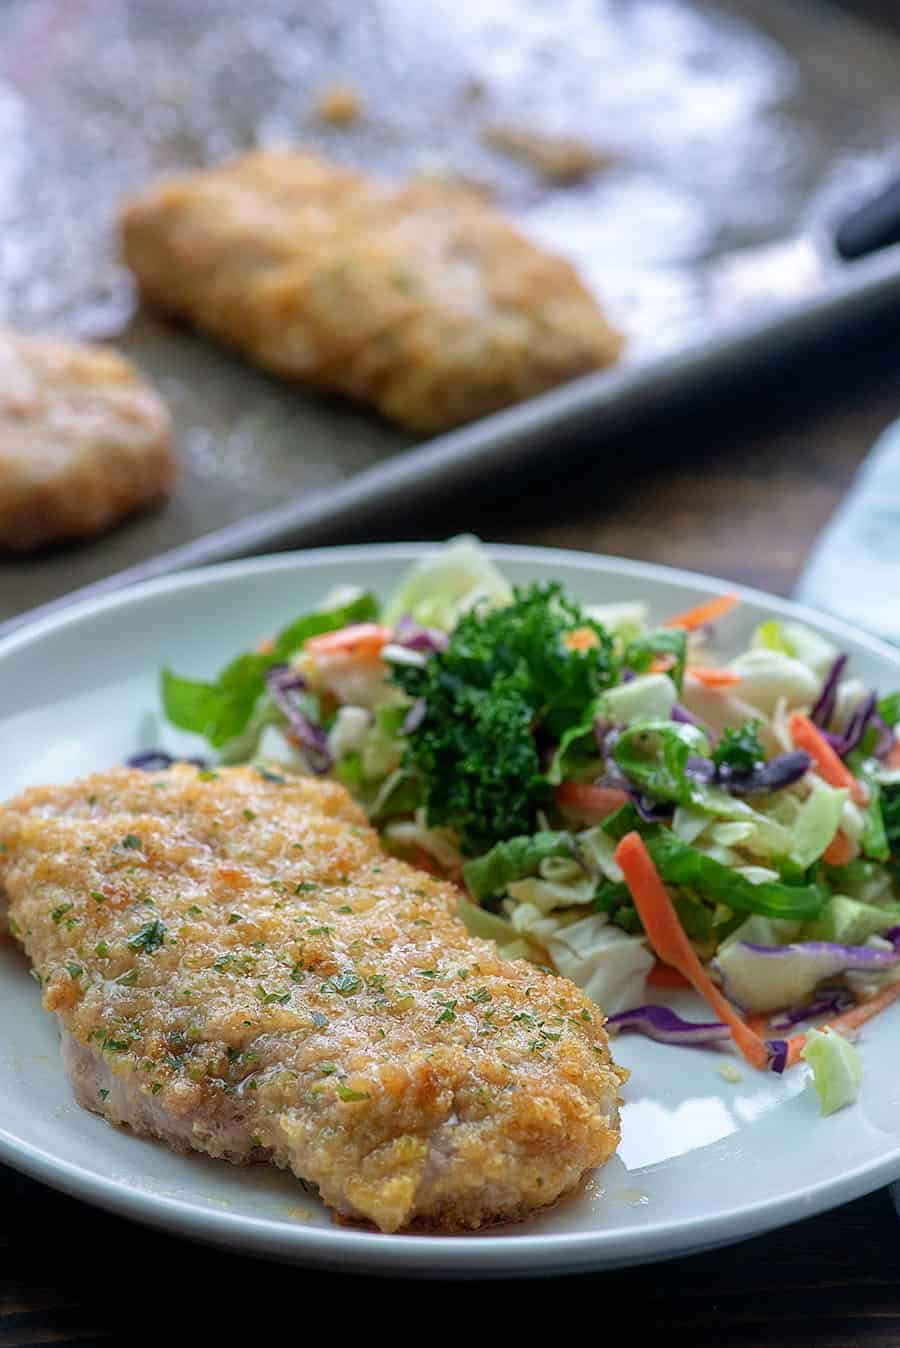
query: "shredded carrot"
668, 940
808, 736
839, 851
593, 802
705, 613
664, 976
714, 678
759, 1024
582, 639
266, 646
362, 639
850, 1020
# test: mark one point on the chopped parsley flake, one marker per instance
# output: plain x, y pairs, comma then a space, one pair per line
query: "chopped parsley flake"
156, 1088
345, 1093
104, 1095
427, 973
268, 776
131, 841
195, 910
267, 998
482, 995
149, 937
74, 970
101, 949
97, 896
59, 912
249, 815
319, 1020
234, 917
345, 983
327, 1069
305, 886
207, 775
448, 1014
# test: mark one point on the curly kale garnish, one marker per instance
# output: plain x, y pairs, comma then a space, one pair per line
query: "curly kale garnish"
510, 681
739, 750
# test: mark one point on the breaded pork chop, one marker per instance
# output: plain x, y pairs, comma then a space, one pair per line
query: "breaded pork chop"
84, 441
238, 967
420, 299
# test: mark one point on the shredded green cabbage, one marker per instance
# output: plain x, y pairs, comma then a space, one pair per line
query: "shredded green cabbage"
836, 1068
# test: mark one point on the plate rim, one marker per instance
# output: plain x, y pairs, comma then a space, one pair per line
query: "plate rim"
422, 1255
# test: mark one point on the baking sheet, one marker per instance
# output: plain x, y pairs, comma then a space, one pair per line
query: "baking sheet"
729, 125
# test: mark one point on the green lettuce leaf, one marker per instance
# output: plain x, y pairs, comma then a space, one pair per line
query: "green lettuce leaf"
679, 864
222, 709
889, 709
643, 650
479, 922
513, 860
654, 754
684, 866
874, 840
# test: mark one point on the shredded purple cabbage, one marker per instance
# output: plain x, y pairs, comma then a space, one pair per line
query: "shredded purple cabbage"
885, 742
650, 810
845, 744
864, 957
661, 1023
583, 860
823, 708
701, 769
777, 1050
864, 715
157, 760
778, 772
827, 1001
415, 637
605, 733
680, 713
415, 716
284, 683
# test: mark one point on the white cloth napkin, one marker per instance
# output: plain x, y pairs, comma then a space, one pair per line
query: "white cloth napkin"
854, 570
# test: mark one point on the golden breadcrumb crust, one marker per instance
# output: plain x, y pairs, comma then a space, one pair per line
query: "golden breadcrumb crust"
240, 954
419, 299
84, 441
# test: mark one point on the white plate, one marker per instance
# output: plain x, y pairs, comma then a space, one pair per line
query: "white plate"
702, 1162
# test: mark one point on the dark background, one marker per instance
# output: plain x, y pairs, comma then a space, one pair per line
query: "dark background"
738, 486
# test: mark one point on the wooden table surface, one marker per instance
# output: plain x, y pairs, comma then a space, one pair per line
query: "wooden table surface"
739, 488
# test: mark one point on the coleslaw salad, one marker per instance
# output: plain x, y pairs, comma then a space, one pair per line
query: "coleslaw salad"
634, 806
